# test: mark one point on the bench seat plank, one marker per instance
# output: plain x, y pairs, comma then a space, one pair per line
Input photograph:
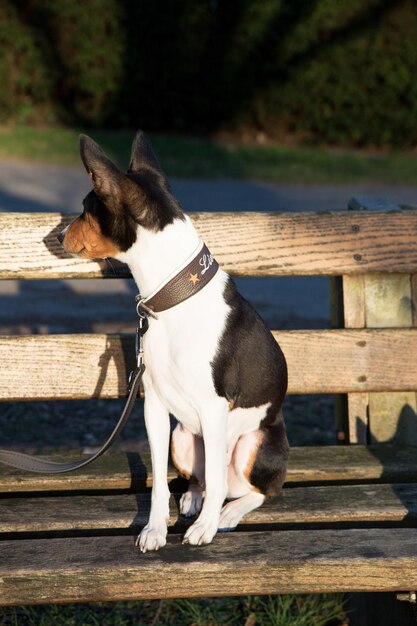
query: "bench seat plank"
256, 244
357, 504
111, 568
307, 465
86, 366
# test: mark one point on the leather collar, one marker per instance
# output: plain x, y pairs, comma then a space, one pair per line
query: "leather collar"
189, 281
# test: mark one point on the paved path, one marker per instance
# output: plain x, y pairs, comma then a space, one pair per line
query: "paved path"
35, 187
59, 306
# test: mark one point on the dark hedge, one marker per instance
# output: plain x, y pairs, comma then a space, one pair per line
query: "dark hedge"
324, 70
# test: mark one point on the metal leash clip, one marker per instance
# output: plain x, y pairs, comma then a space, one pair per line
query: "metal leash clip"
141, 328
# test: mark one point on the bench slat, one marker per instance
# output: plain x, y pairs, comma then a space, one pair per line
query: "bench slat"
307, 465
319, 361
111, 568
303, 505
256, 244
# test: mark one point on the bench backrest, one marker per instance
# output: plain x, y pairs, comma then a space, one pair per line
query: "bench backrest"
374, 252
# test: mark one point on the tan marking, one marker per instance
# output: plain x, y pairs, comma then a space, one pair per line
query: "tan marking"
251, 461
85, 239
181, 471
231, 404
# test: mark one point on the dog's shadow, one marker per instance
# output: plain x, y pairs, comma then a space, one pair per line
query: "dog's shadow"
139, 484
121, 349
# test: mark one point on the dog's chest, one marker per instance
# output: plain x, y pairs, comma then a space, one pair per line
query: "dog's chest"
179, 349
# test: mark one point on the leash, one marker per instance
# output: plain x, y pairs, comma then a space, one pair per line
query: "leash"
189, 280
43, 466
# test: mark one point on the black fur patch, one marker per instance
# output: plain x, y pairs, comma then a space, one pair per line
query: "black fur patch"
154, 207
249, 367
121, 229
270, 466
121, 201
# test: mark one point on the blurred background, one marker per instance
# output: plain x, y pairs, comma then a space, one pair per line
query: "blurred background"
252, 106
315, 71
279, 105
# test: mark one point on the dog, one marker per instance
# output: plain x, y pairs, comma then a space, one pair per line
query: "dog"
210, 360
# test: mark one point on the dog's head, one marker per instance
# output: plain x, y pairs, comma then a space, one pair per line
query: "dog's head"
119, 204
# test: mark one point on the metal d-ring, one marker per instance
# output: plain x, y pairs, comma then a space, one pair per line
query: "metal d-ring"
141, 305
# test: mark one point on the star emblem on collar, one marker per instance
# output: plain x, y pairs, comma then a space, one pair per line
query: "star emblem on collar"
194, 279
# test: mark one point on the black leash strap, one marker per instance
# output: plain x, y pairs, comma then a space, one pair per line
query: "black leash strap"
43, 466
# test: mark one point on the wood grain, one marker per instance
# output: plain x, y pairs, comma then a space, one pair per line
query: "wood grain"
379, 301
357, 405
256, 244
96, 365
353, 288
388, 304
344, 360
303, 505
111, 568
307, 465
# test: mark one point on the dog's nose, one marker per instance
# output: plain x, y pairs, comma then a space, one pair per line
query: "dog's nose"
60, 236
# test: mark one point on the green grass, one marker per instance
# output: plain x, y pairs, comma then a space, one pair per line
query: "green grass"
202, 158
309, 610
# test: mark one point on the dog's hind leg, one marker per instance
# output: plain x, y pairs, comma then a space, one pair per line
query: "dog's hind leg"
232, 512
257, 471
187, 453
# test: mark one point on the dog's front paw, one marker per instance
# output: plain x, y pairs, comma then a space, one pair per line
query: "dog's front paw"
200, 533
151, 538
191, 501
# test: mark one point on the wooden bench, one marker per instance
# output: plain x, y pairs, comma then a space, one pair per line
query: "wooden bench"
347, 519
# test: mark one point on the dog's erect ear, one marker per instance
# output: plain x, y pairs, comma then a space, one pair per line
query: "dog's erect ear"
107, 179
143, 154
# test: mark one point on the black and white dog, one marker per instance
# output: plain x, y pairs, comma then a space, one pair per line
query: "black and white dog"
210, 360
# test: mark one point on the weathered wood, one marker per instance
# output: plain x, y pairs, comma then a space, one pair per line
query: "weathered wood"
414, 298
65, 366
307, 465
336, 481
354, 301
360, 464
332, 361
261, 244
388, 300
380, 301
388, 304
358, 417
111, 568
354, 317
357, 504
323, 361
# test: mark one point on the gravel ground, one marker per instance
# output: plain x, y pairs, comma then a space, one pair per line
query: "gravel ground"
84, 424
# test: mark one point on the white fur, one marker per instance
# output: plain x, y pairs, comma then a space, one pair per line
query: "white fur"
179, 348
232, 512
